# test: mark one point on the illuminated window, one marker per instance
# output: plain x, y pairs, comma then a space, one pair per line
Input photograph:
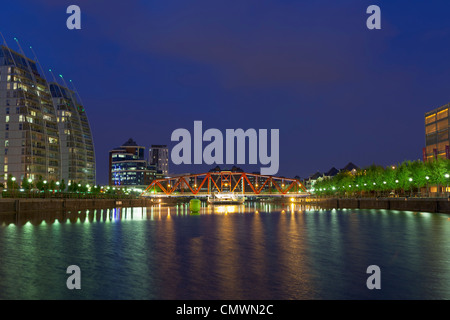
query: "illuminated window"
443, 135
430, 148
442, 114
441, 146
430, 119
443, 124
430, 129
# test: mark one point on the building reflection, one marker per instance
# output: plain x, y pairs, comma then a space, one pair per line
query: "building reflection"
155, 212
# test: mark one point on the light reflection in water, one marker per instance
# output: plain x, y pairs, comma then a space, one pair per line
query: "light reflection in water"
250, 251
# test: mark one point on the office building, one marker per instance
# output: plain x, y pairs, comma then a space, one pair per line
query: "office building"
437, 134
159, 156
128, 167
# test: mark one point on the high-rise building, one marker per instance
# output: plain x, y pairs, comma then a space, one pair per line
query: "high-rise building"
159, 156
44, 131
437, 139
29, 139
77, 147
128, 167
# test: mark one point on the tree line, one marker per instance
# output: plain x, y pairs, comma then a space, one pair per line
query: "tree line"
405, 178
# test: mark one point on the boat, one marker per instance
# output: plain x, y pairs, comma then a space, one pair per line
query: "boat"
226, 198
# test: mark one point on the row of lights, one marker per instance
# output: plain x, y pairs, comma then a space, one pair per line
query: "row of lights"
79, 185
384, 182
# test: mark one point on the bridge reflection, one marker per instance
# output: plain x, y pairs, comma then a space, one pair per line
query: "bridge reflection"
155, 212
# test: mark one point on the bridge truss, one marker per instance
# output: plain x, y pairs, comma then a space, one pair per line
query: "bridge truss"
205, 184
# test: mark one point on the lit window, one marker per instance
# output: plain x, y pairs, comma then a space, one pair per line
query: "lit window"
431, 118
442, 114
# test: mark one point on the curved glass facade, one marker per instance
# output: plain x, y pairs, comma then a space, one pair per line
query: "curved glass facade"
44, 131
77, 147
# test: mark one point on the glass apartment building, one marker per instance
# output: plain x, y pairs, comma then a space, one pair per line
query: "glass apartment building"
44, 131
437, 139
128, 167
29, 139
77, 147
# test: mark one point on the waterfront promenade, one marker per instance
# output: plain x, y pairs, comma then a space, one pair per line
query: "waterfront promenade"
441, 205
12, 205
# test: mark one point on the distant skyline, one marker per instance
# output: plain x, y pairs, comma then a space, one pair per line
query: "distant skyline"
337, 91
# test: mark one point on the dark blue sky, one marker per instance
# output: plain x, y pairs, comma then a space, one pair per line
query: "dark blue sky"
337, 91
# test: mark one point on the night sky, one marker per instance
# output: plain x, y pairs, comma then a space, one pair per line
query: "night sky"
337, 91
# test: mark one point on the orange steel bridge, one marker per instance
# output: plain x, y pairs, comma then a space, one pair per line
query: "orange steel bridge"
205, 184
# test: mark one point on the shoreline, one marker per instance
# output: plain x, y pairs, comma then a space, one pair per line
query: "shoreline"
14, 205
433, 205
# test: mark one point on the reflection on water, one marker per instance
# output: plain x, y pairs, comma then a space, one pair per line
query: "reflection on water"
155, 212
250, 251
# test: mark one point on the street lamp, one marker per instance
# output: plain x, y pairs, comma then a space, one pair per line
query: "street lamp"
410, 180
427, 177
13, 183
446, 189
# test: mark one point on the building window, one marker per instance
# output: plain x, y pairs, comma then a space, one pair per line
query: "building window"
430, 119
441, 125
442, 114
430, 129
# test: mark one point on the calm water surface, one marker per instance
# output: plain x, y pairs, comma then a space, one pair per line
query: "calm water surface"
237, 252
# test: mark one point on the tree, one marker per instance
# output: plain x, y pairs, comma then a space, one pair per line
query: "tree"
40, 183
62, 185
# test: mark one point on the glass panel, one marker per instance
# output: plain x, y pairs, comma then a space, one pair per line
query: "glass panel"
442, 114
431, 118
441, 146
430, 129
443, 124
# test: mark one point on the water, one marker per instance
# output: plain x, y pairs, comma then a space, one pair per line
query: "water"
238, 252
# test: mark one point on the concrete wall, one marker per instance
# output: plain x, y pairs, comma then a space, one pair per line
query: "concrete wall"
402, 204
24, 205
